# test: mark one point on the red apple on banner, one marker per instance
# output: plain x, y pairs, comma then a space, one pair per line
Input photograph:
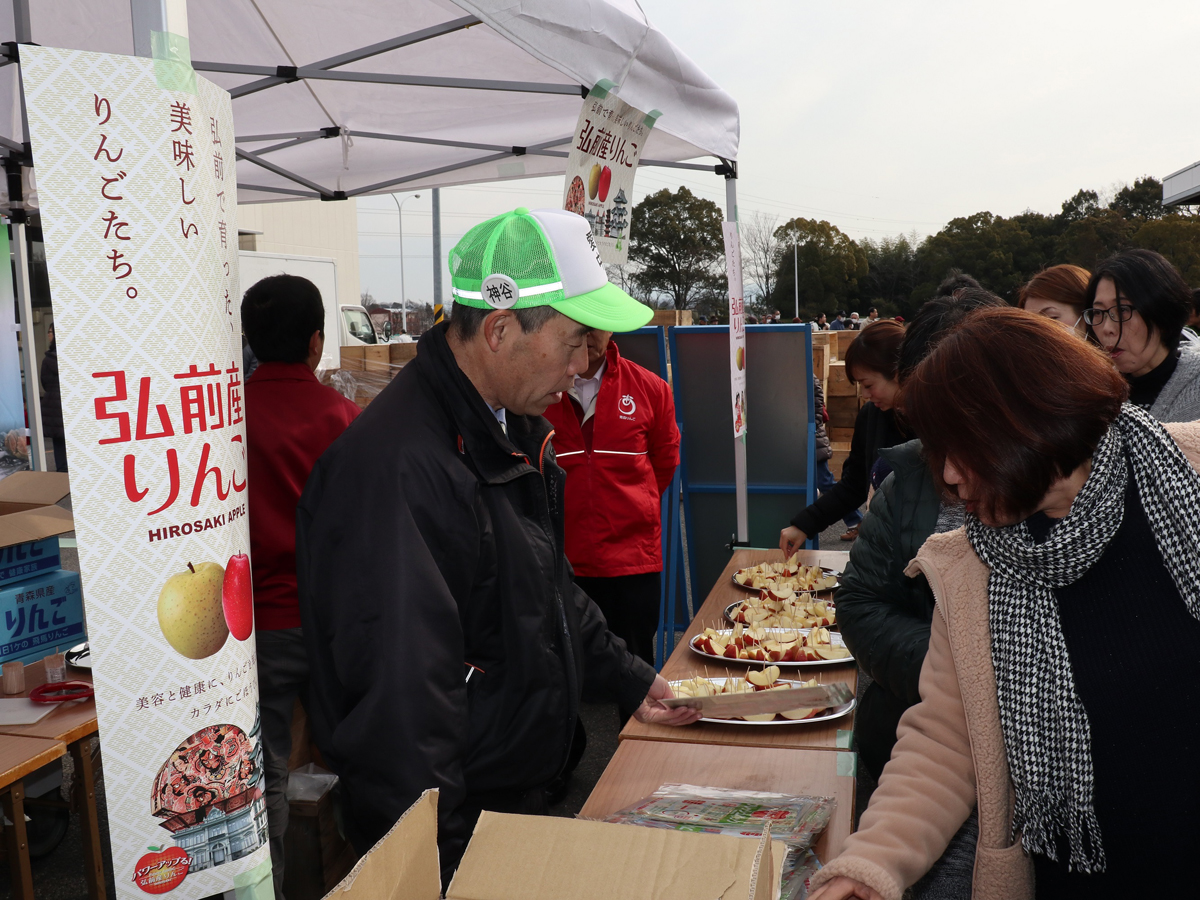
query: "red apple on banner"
161, 870
237, 597
605, 183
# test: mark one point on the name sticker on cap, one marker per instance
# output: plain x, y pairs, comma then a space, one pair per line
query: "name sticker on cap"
500, 292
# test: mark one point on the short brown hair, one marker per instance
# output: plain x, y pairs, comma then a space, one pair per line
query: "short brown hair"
1062, 284
877, 348
1015, 401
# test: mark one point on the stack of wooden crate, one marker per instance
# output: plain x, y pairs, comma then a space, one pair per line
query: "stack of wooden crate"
842, 399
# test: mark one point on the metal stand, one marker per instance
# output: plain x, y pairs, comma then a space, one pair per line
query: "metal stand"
33, 392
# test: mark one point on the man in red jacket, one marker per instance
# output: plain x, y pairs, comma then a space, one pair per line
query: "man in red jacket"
291, 419
615, 435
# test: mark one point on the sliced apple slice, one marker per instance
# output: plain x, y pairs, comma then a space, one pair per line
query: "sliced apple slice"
762, 679
829, 651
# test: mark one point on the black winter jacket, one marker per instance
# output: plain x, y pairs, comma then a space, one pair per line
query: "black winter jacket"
874, 429
884, 615
824, 448
427, 542
52, 414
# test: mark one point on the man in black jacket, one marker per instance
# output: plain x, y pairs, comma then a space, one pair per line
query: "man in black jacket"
448, 642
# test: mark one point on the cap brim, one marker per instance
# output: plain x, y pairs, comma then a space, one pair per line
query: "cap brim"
607, 308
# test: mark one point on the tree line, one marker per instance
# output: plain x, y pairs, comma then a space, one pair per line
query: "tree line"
677, 255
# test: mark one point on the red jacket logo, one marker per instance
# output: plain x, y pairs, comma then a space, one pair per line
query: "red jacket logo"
627, 407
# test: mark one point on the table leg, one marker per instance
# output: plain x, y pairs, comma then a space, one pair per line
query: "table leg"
13, 801
93, 856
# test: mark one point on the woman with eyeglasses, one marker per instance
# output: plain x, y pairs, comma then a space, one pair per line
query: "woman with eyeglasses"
1076, 570
1137, 305
1060, 294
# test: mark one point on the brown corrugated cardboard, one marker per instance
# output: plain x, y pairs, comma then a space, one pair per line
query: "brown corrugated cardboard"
546, 858
29, 490
403, 865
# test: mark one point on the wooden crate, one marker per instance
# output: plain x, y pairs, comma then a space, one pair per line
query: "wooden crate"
839, 435
821, 339
820, 363
842, 411
841, 449
400, 354
354, 359
844, 340
672, 317
838, 384
377, 360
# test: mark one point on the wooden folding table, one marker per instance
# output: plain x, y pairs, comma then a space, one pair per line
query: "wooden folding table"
20, 756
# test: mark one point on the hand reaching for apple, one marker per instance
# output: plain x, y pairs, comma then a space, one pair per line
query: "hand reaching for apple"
842, 888
653, 712
791, 539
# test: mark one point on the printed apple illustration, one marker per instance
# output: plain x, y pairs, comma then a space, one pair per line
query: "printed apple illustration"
189, 611
161, 870
605, 183
593, 181
237, 597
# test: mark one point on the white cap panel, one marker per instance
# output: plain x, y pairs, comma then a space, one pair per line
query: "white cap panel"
574, 250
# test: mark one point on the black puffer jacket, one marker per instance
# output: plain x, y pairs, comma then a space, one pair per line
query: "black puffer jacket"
428, 541
824, 448
884, 615
874, 429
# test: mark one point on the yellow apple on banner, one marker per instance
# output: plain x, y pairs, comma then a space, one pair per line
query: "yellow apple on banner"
190, 611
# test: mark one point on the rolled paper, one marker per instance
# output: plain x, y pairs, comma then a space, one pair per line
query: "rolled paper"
14, 677
56, 668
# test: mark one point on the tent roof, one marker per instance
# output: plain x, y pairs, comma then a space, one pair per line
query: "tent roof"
408, 94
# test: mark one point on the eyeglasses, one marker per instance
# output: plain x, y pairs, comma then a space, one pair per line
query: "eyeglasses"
1122, 312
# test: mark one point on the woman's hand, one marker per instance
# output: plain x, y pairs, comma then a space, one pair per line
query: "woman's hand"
841, 888
653, 712
790, 540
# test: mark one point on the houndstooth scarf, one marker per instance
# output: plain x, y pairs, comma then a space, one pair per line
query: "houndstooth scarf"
1047, 737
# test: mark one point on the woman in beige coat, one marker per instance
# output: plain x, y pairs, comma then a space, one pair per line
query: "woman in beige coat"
1078, 567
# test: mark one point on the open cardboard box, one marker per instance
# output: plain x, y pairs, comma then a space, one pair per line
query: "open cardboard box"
546, 858
30, 522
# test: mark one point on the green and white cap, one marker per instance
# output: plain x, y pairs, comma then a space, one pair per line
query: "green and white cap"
541, 257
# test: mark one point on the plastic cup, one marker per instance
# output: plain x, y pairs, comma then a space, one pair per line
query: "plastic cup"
56, 668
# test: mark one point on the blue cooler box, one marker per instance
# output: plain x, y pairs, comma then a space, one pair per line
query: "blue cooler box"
39, 614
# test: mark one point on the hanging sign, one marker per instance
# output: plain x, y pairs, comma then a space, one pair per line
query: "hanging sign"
138, 194
605, 150
737, 327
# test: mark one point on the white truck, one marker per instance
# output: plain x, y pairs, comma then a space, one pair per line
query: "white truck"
345, 324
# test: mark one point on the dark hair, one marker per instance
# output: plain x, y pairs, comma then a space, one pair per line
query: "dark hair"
935, 320
876, 348
1062, 284
1014, 401
279, 315
1154, 287
466, 320
956, 280
871, 310
824, 316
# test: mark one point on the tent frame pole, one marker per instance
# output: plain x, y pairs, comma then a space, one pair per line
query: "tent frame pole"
33, 391
739, 444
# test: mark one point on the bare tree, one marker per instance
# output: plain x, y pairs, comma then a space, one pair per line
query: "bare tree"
760, 253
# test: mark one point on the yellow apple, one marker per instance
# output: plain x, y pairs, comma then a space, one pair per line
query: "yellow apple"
190, 613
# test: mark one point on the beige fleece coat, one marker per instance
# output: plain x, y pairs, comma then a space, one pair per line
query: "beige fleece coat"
949, 755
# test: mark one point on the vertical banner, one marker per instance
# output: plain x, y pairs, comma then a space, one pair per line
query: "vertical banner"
138, 193
605, 150
737, 327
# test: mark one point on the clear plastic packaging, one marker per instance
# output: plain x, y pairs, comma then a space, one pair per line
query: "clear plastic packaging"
797, 821
798, 867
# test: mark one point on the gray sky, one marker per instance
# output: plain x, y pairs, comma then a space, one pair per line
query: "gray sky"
887, 117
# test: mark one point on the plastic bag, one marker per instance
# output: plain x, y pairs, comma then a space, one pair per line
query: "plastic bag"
797, 821
798, 867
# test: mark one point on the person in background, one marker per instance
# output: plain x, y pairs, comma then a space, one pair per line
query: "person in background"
872, 316
839, 321
404, 337
291, 419
822, 322
855, 324
450, 647
1060, 294
871, 362
1137, 305
703, 320
885, 616
956, 280
825, 477
1076, 502
51, 403
615, 437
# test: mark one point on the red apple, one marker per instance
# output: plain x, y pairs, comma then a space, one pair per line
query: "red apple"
161, 870
605, 183
237, 597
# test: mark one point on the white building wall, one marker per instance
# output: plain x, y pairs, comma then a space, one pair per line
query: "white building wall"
307, 228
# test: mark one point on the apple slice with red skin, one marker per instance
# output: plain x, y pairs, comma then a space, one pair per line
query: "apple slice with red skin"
237, 597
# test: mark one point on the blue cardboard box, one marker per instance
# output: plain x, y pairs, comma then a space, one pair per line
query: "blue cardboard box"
30, 523
19, 561
39, 614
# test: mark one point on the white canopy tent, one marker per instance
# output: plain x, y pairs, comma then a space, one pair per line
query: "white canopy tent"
357, 97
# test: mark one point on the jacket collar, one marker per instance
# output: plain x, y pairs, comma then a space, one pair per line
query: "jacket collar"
497, 457
281, 371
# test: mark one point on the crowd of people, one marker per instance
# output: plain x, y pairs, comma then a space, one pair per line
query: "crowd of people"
443, 577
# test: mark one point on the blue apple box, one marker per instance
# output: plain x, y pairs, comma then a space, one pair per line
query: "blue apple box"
39, 614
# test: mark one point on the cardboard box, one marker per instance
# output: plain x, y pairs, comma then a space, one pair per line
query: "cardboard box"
39, 614
549, 858
30, 523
